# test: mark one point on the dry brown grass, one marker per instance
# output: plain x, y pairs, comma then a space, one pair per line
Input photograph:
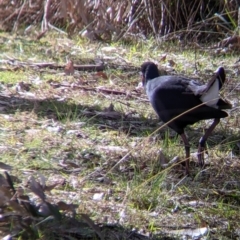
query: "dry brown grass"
110, 20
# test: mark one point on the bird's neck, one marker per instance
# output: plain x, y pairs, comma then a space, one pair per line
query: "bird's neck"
151, 75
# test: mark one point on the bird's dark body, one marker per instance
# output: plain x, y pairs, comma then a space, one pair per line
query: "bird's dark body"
170, 98
180, 101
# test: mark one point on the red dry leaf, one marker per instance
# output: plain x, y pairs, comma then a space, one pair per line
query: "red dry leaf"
102, 75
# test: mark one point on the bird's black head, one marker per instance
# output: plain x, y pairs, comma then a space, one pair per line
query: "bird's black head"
149, 71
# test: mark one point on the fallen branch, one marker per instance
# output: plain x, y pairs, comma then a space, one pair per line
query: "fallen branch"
95, 89
88, 67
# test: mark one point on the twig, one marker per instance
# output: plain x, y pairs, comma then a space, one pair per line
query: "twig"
89, 67
19, 14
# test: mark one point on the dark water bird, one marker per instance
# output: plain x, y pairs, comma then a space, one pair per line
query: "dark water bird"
180, 101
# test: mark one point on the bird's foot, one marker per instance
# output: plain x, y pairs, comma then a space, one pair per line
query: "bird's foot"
187, 173
201, 151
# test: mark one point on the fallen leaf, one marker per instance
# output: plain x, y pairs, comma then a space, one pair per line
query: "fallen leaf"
40, 35
5, 166
36, 188
66, 207
47, 209
69, 68
21, 86
113, 148
98, 196
193, 233
102, 75
163, 58
109, 49
139, 86
171, 63
68, 164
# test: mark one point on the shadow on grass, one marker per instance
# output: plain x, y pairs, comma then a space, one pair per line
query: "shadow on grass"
131, 124
62, 111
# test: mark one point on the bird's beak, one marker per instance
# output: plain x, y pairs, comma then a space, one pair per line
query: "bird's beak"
142, 78
140, 84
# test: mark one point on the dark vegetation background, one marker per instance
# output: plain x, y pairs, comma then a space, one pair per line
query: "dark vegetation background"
110, 20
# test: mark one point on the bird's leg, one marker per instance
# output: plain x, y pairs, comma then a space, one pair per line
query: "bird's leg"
187, 151
202, 142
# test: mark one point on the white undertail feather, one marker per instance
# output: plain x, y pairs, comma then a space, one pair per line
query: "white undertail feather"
211, 97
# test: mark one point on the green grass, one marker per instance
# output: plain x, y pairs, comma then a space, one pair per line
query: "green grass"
55, 130
12, 77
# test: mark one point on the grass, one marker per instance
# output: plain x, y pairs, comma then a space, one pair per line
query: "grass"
57, 130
